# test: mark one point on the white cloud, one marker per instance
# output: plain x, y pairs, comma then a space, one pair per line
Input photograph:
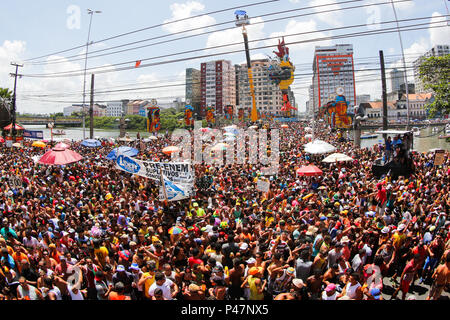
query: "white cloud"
334, 18
439, 35
10, 51
186, 10
254, 32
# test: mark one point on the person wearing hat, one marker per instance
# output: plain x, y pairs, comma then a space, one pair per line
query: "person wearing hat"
330, 292
375, 294
256, 285
137, 292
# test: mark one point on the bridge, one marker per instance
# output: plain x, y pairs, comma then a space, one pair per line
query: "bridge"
379, 125
59, 122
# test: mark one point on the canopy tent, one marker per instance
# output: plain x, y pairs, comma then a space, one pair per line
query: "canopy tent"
319, 147
127, 151
18, 127
309, 171
337, 157
60, 156
91, 143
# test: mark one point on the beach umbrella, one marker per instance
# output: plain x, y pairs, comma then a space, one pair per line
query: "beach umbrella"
177, 230
62, 145
337, 157
229, 134
319, 147
17, 145
309, 171
127, 151
60, 156
39, 144
204, 130
170, 150
91, 143
2, 140
153, 138
253, 127
230, 139
284, 126
220, 146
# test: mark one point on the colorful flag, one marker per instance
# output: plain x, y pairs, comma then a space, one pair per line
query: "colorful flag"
138, 63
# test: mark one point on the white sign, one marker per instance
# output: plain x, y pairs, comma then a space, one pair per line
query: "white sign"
15, 182
176, 172
263, 186
174, 192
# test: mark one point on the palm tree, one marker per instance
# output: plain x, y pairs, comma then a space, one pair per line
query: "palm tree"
5, 94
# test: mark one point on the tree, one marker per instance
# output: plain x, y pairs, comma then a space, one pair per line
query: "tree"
434, 72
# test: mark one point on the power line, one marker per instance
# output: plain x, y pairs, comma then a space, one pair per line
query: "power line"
68, 59
154, 26
349, 35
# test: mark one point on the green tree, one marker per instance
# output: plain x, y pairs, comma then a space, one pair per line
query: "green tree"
434, 72
5, 96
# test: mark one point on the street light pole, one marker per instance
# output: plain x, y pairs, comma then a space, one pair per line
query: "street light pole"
90, 12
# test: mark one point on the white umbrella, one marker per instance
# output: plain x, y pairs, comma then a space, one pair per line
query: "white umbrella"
337, 157
308, 129
230, 139
319, 147
253, 127
229, 134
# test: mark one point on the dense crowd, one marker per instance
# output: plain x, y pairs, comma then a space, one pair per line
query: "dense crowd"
90, 231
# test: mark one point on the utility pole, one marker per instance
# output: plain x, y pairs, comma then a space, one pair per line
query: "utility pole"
13, 111
91, 108
383, 84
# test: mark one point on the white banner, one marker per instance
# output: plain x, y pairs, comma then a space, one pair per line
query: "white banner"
174, 192
176, 172
263, 186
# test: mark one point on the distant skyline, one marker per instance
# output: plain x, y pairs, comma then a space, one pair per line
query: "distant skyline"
32, 29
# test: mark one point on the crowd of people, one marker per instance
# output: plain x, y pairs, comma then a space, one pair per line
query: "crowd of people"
88, 231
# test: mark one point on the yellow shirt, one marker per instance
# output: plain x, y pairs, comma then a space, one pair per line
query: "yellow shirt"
148, 282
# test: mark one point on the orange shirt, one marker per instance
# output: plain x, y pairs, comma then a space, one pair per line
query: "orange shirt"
115, 296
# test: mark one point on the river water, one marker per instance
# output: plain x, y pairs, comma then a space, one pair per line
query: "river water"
421, 144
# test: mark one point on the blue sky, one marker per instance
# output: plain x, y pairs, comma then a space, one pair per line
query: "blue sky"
33, 28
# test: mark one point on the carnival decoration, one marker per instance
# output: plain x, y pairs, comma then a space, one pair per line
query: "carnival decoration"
188, 118
241, 114
281, 73
210, 117
229, 110
337, 112
153, 121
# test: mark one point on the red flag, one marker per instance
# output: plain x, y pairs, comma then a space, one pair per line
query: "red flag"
138, 63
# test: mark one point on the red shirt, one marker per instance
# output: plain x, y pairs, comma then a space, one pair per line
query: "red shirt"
193, 261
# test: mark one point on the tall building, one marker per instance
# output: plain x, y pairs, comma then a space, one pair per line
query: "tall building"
436, 51
333, 68
218, 85
268, 95
193, 88
397, 79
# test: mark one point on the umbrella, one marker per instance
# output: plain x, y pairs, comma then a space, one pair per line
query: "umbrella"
62, 145
17, 145
308, 129
91, 143
284, 126
220, 146
253, 127
204, 130
230, 139
310, 170
127, 151
60, 156
177, 230
2, 140
170, 150
39, 144
337, 157
153, 138
319, 147
229, 134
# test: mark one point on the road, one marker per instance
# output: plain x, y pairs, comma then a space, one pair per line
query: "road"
419, 291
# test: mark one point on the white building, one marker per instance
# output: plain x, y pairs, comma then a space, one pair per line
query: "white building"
116, 108
436, 51
397, 79
268, 95
332, 69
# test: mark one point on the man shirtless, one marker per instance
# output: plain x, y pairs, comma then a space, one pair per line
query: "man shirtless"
441, 278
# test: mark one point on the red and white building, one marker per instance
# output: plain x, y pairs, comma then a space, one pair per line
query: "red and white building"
218, 85
333, 67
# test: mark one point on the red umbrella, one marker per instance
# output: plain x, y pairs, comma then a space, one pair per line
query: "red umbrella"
2, 140
310, 170
60, 156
